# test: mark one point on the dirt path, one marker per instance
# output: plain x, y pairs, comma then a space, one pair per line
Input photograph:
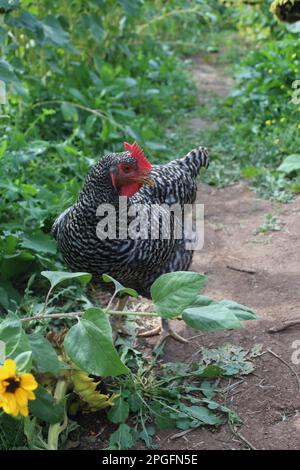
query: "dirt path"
268, 401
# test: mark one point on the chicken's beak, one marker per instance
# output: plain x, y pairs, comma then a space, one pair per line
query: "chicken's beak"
148, 181
144, 180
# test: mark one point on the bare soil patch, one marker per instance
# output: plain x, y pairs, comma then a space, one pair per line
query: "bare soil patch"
267, 401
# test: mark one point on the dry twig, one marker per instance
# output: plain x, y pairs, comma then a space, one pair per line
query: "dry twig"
287, 324
241, 270
287, 364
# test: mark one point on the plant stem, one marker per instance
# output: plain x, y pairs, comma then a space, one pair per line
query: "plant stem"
56, 429
46, 300
79, 314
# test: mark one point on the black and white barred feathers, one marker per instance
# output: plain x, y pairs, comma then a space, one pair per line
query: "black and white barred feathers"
134, 263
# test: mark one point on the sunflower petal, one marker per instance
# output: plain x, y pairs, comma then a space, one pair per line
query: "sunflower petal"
30, 395
21, 397
24, 410
10, 368
10, 403
28, 382
2, 387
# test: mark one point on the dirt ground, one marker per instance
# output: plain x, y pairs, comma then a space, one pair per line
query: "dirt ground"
267, 401
262, 272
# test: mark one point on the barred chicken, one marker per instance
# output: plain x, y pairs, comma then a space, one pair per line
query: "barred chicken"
135, 261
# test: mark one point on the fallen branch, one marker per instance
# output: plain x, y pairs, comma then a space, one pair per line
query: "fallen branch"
181, 434
285, 326
241, 270
287, 364
241, 437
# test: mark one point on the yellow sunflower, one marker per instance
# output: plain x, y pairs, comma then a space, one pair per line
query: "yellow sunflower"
286, 10
15, 389
87, 389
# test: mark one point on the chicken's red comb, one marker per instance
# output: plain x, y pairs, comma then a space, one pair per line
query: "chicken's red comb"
137, 153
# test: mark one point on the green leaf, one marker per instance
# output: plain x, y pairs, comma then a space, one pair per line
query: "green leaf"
40, 242
54, 33
44, 355
14, 337
202, 415
135, 402
211, 318
15, 265
122, 439
208, 389
69, 112
2, 352
202, 301
173, 292
45, 407
211, 371
100, 319
9, 296
163, 418
240, 311
56, 277
24, 361
96, 354
119, 288
290, 164
9, 4
119, 412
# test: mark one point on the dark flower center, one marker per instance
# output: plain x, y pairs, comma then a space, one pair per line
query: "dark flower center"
13, 385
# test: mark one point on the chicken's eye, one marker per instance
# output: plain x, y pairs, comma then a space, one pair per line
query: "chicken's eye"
126, 169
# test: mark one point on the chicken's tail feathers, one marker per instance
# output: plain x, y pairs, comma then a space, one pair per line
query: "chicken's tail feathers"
196, 159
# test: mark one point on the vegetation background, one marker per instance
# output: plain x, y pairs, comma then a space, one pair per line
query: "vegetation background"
82, 77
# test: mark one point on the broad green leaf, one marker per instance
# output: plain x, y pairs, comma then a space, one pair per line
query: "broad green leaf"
14, 265
162, 416
202, 414
54, 33
208, 389
146, 435
2, 352
119, 412
44, 355
100, 319
134, 401
91, 349
122, 439
240, 311
119, 288
24, 361
210, 318
9, 296
173, 292
14, 337
40, 242
290, 164
56, 277
202, 301
6, 71
45, 407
